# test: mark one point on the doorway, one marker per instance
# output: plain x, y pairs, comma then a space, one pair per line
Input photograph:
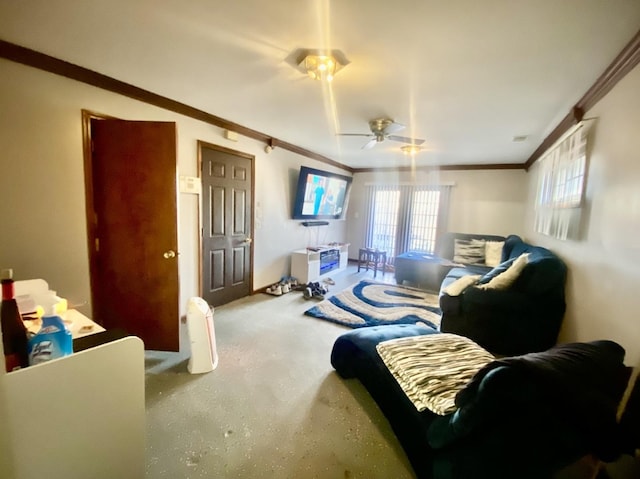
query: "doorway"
227, 223
131, 196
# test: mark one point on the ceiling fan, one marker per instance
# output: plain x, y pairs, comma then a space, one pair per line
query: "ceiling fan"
384, 129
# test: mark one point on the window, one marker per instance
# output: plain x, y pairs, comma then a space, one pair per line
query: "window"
384, 220
405, 217
561, 186
424, 220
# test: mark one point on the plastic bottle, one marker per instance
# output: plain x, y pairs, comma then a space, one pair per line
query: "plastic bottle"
54, 339
14, 333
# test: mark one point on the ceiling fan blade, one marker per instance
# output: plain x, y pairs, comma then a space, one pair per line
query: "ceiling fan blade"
393, 128
369, 144
354, 134
404, 139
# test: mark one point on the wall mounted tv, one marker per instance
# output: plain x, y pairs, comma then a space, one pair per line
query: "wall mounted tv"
321, 195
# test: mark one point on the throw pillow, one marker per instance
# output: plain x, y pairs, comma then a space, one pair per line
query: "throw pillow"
469, 251
506, 279
501, 268
493, 253
460, 284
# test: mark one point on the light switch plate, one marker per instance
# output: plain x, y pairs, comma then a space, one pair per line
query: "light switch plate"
190, 184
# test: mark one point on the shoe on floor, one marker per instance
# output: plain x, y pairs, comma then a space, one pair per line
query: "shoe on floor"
275, 290
329, 281
307, 293
318, 293
290, 280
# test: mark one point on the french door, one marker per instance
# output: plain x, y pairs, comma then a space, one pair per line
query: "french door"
405, 217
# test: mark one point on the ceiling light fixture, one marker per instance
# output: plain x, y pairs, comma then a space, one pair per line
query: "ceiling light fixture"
321, 65
410, 149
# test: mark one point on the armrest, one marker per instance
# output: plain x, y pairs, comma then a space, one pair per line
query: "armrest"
504, 299
499, 396
504, 322
450, 304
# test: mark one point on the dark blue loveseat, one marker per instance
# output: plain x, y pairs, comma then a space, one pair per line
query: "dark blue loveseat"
526, 317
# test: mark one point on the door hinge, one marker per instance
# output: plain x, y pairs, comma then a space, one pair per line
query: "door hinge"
97, 244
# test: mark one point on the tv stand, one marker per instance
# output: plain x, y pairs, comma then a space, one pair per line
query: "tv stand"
315, 263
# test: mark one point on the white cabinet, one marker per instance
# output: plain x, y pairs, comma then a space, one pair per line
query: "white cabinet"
316, 263
77, 417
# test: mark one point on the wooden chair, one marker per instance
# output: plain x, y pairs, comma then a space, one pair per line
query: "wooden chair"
370, 257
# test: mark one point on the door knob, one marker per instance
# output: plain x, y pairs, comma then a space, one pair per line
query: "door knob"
247, 240
169, 254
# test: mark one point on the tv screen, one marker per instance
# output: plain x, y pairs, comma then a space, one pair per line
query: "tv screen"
320, 195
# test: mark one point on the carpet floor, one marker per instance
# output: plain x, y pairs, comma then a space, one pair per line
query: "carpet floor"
274, 407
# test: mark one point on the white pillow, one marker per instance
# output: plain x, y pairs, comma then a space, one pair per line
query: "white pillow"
460, 284
493, 253
506, 279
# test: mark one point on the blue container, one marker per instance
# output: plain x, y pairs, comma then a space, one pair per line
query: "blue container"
52, 341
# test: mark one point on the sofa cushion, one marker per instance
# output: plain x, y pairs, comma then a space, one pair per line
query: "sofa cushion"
508, 246
544, 273
507, 278
460, 284
501, 268
456, 273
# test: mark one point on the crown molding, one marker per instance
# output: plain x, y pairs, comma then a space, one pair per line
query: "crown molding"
493, 166
626, 61
41, 61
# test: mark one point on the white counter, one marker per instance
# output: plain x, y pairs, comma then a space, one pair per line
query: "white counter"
76, 322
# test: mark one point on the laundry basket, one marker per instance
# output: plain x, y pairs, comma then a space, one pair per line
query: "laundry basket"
202, 336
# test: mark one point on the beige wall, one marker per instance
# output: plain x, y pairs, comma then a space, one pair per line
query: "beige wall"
42, 208
491, 201
603, 301
43, 217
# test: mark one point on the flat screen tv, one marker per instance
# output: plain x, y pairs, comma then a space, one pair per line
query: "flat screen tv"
320, 195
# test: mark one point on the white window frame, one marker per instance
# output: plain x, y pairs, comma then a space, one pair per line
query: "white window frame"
561, 185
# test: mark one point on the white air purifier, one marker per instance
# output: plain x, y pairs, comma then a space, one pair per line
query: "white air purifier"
204, 357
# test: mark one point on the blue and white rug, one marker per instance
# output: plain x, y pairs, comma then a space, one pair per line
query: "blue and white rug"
370, 304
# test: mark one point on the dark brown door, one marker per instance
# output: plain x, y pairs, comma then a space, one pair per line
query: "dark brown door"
134, 277
227, 196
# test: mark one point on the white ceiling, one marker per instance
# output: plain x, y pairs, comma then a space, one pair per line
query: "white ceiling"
465, 75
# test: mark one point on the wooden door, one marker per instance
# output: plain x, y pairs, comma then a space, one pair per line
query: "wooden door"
134, 264
227, 209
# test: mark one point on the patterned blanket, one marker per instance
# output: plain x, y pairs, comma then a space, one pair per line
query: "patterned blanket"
433, 368
370, 304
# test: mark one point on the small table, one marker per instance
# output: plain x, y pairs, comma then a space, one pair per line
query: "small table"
422, 268
368, 256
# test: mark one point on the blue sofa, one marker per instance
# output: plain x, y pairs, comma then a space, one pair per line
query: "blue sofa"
526, 317
521, 417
